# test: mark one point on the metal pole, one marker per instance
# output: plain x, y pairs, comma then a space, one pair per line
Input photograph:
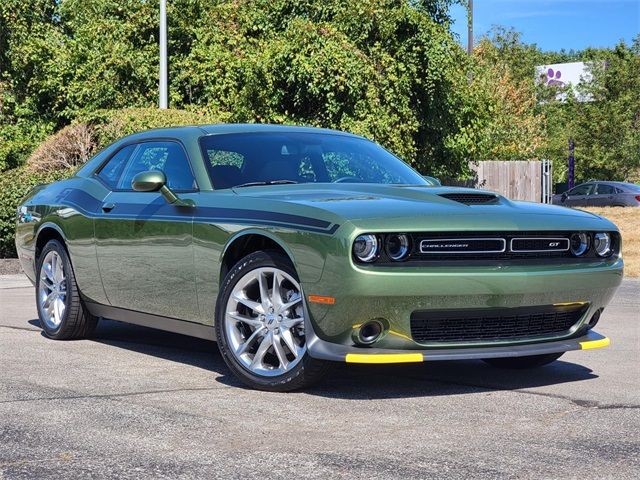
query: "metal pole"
162, 101
572, 165
470, 28
544, 180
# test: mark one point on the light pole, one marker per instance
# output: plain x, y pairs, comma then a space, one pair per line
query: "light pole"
470, 28
162, 100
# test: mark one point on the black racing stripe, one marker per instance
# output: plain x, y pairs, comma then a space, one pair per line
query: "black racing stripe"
161, 210
259, 215
88, 202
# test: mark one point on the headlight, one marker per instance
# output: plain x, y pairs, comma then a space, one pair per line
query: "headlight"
602, 244
365, 247
579, 243
397, 246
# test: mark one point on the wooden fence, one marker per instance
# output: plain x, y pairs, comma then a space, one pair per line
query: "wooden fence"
516, 179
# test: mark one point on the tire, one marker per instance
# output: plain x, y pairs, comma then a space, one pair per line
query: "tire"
254, 342
61, 312
522, 363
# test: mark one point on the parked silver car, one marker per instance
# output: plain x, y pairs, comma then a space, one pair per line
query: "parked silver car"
600, 194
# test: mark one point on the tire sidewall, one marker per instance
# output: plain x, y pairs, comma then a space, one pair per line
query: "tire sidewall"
251, 262
56, 246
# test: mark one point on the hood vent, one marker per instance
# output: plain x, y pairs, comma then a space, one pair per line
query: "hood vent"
472, 198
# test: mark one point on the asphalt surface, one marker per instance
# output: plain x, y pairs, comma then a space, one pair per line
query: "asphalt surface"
139, 403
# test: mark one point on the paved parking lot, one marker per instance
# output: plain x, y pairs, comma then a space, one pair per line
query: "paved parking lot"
135, 403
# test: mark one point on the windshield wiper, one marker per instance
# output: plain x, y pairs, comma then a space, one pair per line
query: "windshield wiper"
271, 182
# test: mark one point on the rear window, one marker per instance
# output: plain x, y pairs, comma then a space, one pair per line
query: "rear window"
606, 189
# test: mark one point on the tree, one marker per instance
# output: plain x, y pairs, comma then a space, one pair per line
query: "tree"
25, 26
387, 70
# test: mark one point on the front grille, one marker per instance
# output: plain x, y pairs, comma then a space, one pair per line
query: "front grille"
493, 248
472, 198
494, 324
546, 244
483, 246
438, 246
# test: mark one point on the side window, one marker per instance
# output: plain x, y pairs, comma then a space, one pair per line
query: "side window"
111, 171
581, 190
168, 157
606, 189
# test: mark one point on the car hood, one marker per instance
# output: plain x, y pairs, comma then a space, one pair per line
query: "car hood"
393, 207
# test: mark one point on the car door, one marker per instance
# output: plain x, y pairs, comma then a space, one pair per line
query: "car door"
603, 195
579, 196
143, 243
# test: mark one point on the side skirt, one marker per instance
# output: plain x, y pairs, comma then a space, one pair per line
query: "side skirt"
174, 325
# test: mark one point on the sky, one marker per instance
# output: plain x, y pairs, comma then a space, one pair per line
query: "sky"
555, 24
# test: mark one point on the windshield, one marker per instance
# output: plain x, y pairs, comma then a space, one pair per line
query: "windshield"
247, 159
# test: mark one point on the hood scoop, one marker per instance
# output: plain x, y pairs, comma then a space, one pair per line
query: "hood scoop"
472, 198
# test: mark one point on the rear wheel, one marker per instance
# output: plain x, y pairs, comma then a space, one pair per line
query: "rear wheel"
521, 363
260, 325
60, 310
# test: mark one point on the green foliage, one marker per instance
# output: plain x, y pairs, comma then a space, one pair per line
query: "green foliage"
18, 139
24, 26
14, 185
390, 70
385, 70
110, 125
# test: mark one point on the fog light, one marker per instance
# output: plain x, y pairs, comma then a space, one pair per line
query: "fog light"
579, 243
602, 244
369, 332
397, 246
594, 318
365, 247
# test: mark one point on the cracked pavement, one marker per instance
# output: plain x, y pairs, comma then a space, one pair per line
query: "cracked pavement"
139, 403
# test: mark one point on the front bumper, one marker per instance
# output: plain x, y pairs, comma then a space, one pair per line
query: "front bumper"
392, 295
322, 350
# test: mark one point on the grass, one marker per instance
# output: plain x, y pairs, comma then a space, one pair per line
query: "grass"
628, 221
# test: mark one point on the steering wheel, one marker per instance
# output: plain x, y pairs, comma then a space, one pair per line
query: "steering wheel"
347, 179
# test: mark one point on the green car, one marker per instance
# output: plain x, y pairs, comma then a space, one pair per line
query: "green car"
298, 247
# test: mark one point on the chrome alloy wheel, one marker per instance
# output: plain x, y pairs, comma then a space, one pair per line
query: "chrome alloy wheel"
52, 290
264, 322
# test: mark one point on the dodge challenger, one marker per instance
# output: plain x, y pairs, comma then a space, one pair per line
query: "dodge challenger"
295, 248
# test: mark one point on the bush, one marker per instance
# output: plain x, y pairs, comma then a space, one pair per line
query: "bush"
70, 147
110, 125
18, 139
75, 144
14, 185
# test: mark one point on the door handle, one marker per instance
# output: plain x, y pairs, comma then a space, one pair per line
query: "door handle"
107, 207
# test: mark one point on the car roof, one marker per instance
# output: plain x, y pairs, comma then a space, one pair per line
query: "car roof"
616, 184
607, 182
224, 128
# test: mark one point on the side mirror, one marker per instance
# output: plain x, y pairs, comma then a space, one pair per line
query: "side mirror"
156, 181
565, 195
151, 181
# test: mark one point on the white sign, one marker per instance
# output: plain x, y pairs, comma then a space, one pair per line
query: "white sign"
566, 75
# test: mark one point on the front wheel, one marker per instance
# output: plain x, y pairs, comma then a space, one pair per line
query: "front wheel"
521, 363
62, 314
260, 325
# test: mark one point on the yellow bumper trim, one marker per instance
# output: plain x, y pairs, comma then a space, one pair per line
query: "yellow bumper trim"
603, 342
384, 358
